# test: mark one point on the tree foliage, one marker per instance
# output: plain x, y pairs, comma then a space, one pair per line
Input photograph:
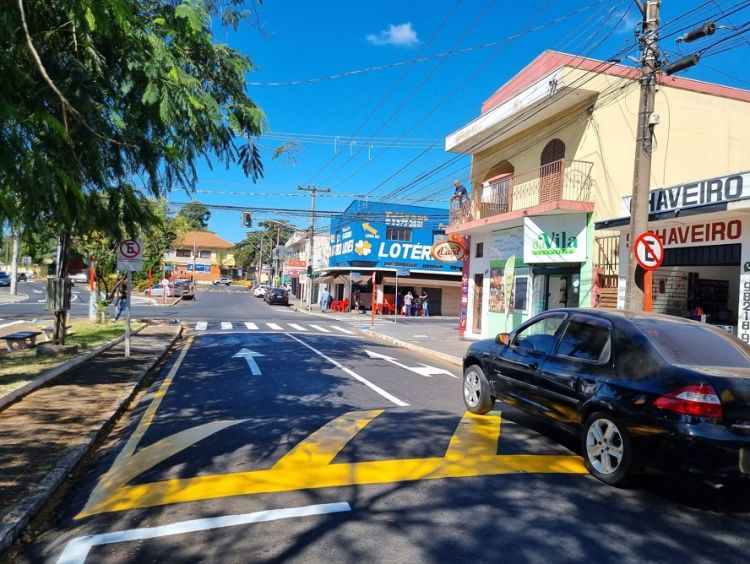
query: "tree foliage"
106, 103
247, 252
196, 214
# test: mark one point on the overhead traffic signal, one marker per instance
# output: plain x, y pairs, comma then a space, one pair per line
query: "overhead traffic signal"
247, 219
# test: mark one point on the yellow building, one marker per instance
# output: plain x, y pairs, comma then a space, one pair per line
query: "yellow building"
552, 151
202, 255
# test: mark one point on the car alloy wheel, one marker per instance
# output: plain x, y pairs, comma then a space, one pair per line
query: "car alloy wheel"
477, 397
607, 450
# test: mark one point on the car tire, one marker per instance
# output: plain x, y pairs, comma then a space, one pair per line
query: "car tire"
607, 449
476, 390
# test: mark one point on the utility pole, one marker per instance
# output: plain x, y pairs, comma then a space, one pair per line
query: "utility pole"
639, 205
311, 245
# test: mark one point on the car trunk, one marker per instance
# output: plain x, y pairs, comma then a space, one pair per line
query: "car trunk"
732, 384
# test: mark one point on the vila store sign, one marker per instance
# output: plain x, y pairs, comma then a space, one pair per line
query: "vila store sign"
554, 239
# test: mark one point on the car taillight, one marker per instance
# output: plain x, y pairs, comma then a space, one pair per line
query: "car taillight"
697, 399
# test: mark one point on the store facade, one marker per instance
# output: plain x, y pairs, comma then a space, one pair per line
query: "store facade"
390, 249
705, 228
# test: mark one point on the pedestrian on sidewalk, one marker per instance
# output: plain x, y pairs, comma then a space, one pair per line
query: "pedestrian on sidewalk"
357, 293
423, 300
408, 303
325, 300
121, 301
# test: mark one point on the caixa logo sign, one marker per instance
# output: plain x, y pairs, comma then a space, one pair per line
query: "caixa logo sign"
448, 251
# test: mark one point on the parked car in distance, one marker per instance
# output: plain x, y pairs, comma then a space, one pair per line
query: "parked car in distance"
225, 281
157, 291
638, 389
78, 277
21, 277
4, 279
260, 291
277, 296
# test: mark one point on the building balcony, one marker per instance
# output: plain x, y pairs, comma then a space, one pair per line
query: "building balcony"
563, 185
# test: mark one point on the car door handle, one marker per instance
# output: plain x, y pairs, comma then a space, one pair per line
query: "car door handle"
532, 366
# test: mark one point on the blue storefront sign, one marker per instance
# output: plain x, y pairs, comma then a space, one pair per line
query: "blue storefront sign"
391, 236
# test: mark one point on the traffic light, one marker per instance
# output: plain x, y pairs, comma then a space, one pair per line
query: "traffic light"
247, 219
309, 271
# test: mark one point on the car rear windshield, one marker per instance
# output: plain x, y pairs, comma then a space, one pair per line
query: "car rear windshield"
694, 344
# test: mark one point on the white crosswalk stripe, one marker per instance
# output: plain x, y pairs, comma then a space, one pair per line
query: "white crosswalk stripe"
251, 326
342, 330
226, 325
319, 328
201, 326
275, 326
297, 327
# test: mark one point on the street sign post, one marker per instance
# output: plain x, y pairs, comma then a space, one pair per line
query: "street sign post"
648, 252
129, 258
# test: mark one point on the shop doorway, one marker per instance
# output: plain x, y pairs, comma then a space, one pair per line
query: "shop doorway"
556, 288
478, 289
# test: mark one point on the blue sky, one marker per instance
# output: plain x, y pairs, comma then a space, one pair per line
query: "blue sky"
413, 106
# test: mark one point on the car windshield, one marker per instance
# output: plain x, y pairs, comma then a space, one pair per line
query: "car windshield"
693, 344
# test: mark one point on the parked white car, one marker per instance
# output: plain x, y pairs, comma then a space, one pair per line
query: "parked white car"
260, 291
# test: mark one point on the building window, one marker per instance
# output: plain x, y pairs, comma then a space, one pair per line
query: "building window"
479, 253
184, 253
398, 234
438, 236
204, 254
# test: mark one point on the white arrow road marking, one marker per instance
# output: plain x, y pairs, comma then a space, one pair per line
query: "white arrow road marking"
250, 325
78, 548
201, 326
226, 325
351, 373
423, 369
249, 355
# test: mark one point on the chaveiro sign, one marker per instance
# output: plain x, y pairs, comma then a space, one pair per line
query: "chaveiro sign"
447, 251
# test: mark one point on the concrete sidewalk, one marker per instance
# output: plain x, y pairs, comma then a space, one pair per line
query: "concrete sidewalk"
436, 336
47, 432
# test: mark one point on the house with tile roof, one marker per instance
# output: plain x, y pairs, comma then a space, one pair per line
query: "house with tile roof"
201, 255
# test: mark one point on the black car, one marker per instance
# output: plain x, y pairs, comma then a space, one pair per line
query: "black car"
277, 296
638, 389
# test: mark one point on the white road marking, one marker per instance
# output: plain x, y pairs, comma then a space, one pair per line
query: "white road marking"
342, 329
11, 323
319, 328
274, 326
77, 549
201, 326
249, 357
353, 374
423, 369
297, 327
226, 325
250, 325
421, 336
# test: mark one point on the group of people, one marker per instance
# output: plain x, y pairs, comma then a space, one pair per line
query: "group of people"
411, 304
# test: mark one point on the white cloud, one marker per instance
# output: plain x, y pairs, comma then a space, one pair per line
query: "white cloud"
402, 35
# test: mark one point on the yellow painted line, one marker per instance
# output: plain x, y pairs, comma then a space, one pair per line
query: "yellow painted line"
468, 455
320, 448
105, 486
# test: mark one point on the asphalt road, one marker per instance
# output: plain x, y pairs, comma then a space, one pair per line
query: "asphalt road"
261, 441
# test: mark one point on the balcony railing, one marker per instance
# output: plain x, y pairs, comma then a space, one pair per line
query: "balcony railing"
560, 180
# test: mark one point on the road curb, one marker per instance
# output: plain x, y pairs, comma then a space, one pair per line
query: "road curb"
15, 521
447, 358
53, 373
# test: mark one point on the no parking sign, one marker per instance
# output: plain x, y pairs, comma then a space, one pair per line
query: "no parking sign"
648, 251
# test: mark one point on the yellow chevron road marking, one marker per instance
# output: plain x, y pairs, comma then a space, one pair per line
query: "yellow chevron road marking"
471, 452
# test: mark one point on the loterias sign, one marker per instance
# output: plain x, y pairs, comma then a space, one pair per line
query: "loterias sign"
703, 192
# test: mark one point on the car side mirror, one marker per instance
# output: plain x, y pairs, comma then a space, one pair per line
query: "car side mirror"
503, 339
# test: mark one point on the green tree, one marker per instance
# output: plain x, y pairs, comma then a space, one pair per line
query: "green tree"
106, 103
196, 214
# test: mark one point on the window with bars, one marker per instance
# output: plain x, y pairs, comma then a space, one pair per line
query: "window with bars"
184, 253
398, 234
